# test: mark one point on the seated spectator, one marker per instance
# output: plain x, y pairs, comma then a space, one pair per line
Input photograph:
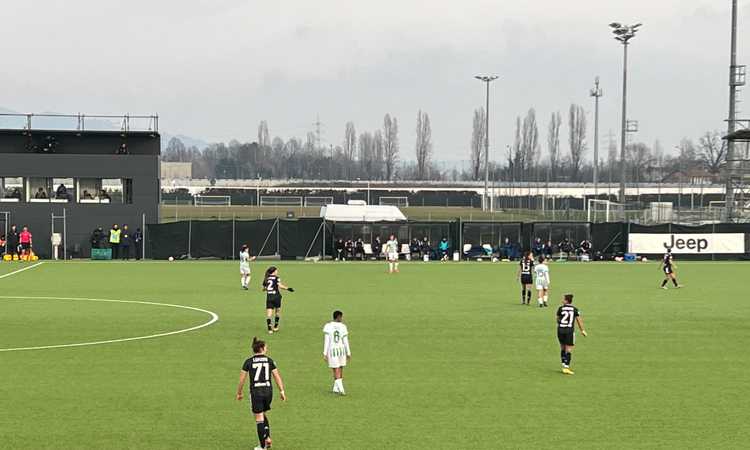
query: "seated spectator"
377, 246
506, 250
414, 248
349, 245
340, 250
87, 195
548, 249
62, 193
41, 193
96, 238
584, 248
359, 249
16, 193
443, 248
538, 248
425, 248
104, 195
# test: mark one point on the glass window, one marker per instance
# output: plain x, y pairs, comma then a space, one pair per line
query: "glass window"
38, 189
63, 190
11, 189
111, 191
88, 190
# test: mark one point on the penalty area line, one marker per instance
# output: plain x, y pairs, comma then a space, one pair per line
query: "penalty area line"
21, 270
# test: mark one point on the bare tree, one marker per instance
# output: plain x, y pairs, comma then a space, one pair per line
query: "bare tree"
478, 136
423, 146
553, 142
390, 145
516, 162
263, 139
576, 139
529, 143
378, 155
640, 161
350, 146
712, 151
366, 154
175, 151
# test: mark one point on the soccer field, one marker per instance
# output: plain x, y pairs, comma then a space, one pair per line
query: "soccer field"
444, 356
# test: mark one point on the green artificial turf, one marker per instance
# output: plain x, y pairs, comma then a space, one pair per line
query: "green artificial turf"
444, 356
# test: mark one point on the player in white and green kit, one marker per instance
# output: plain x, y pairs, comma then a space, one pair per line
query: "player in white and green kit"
245, 259
391, 253
336, 351
541, 271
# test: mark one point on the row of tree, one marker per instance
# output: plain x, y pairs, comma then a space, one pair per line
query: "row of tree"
375, 155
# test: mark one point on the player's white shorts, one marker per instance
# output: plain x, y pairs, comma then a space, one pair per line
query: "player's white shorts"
541, 286
334, 362
244, 270
392, 256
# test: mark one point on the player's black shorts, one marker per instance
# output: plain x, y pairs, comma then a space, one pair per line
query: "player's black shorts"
667, 270
526, 279
273, 301
260, 399
566, 337
26, 245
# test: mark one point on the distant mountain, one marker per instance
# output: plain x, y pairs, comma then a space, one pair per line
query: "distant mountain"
187, 140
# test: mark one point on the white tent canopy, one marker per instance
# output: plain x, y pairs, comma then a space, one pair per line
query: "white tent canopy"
361, 213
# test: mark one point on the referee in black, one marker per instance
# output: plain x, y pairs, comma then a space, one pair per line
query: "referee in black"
567, 316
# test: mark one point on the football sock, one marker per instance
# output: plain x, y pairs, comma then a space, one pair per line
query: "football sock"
268, 322
276, 321
261, 427
523, 295
674, 280
528, 296
568, 357
545, 298
562, 357
664, 283
267, 426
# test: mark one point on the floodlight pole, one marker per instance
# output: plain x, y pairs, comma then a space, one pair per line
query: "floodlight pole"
596, 93
487, 79
729, 195
623, 34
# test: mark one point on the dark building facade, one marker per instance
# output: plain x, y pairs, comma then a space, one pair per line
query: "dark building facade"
92, 178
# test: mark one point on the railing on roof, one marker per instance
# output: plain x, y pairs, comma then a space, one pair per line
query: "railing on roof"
125, 123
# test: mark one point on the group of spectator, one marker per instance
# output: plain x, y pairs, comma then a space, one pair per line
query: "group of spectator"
355, 249
121, 241
565, 247
17, 244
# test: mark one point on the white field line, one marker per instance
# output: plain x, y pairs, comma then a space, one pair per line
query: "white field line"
21, 270
214, 319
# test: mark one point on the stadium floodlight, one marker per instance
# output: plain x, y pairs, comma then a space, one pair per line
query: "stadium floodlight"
486, 79
623, 34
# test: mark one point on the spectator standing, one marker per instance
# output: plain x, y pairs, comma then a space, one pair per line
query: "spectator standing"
538, 248
443, 247
114, 241
138, 243
548, 249
12, 240
360, 249
377, 247
96, 238
26, 241
125, 243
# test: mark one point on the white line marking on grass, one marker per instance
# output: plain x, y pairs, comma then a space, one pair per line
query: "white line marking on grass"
214, 319
21, 270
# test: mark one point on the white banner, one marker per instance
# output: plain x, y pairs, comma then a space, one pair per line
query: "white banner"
687, 243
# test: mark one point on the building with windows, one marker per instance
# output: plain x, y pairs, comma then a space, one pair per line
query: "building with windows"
73, 181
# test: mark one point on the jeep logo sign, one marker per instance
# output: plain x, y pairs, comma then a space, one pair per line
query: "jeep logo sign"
687, 243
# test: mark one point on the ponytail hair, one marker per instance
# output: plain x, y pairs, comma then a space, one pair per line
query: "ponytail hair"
258, 345
269, 271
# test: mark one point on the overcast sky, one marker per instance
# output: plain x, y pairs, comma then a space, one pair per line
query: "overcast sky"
213, 68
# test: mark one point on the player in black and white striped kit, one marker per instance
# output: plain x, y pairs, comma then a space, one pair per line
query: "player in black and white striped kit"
525, 269
667, 265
